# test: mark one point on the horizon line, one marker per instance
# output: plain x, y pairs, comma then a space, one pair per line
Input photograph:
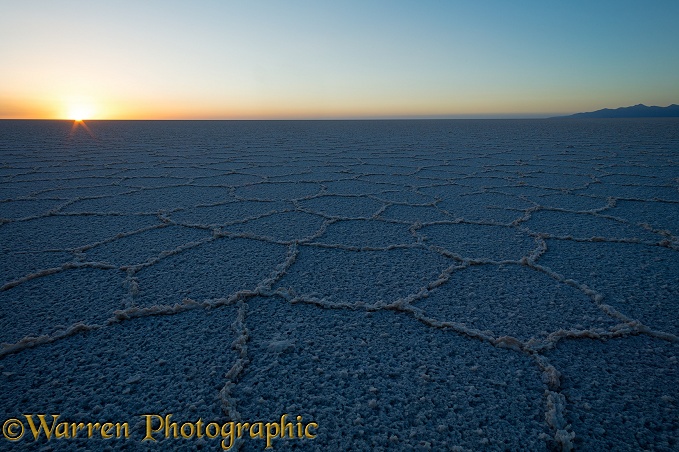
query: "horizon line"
340, 117
417, 118
369, 118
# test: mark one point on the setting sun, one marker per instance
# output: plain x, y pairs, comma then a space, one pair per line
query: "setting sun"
78, 115
80, 112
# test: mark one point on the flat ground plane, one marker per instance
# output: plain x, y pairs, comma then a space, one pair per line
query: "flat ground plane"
386, 285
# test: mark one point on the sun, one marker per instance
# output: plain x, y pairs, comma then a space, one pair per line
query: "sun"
79, 113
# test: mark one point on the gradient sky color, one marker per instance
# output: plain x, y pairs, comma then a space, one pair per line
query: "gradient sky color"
334, 59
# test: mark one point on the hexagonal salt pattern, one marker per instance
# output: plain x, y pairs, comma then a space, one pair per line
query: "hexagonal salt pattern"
406, 285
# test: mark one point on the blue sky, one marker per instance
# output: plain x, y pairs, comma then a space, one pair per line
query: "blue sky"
322, 59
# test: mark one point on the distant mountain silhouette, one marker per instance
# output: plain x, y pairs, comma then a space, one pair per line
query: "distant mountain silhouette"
635, 111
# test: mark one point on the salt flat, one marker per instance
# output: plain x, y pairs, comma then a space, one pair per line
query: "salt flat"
442, 285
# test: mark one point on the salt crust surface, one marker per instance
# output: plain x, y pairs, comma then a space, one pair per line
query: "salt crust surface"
444, 285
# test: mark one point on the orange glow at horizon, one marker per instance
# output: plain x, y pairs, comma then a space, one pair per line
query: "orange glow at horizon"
94, 105
153, 106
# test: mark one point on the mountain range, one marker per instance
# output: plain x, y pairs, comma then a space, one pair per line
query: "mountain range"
635, 111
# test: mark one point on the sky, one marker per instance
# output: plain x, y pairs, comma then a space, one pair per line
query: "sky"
334, 59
